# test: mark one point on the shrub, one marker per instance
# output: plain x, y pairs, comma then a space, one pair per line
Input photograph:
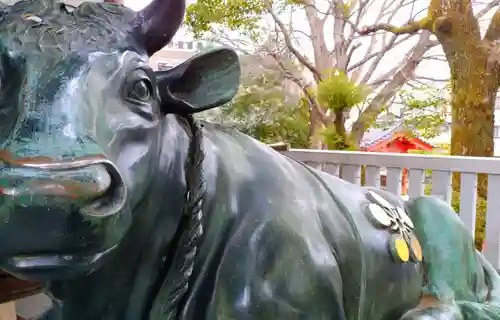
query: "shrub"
338, 91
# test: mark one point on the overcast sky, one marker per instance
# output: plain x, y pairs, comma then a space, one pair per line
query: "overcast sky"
427, 68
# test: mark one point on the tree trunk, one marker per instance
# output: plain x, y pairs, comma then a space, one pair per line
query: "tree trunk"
474, 73
472, 117
315, 126
339, 123
474, 86
472, 126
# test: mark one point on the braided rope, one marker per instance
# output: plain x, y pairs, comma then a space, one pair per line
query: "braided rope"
174, 278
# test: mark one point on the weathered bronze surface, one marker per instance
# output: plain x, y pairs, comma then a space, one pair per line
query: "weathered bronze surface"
126, 208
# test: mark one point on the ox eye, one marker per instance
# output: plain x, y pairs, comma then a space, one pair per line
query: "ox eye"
138, 92
141, 91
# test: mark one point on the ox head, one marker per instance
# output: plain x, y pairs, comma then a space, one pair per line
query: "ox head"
81, 120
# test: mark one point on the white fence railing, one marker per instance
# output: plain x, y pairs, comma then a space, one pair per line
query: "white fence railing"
410, 173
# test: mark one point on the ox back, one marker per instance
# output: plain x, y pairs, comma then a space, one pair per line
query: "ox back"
276, 244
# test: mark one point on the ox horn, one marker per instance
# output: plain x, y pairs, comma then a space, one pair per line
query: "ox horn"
158, 22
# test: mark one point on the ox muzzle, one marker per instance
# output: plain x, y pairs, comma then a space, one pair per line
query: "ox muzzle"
59, 215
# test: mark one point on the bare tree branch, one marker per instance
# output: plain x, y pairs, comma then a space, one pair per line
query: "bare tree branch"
389, 90
351, 52
392, 14
410, 28
493, 31
305, 87
338, 36
221, 37
329, 10
431, 79
491, 4
286, 36
387, 45
377, 60
392, 81
404, 4
435, 57
373, 41
417, 52
362, 9
301, 32
373, 55
318, 42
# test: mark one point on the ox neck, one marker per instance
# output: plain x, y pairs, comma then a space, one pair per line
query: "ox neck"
133, 272
172, 283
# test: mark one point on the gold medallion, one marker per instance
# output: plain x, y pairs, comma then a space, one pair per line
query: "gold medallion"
416, 249
378, 215
403, 244
399, 249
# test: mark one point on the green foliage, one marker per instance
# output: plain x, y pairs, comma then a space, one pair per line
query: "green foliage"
334, 141
338, 91
264, 110
347, 7
424, 110
480, 214
237, 15
284, 127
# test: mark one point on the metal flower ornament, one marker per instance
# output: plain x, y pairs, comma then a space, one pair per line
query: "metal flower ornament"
404, 245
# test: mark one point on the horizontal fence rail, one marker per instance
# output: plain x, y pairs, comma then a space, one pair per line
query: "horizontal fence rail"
413, 175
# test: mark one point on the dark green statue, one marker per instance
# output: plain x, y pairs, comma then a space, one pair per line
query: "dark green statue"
126, 208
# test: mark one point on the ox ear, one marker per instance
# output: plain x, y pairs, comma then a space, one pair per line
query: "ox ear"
203, 82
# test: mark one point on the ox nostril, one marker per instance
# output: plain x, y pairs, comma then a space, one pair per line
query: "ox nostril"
113, 199
100, 179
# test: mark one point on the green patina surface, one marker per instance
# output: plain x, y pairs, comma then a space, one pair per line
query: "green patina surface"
456, 273
213, 224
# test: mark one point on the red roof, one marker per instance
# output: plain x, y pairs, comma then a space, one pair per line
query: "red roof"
399, 142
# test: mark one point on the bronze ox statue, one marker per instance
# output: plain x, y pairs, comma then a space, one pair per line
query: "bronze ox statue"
125, 208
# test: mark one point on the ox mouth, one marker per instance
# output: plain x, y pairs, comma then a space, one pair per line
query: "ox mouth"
93, 183
45, 267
